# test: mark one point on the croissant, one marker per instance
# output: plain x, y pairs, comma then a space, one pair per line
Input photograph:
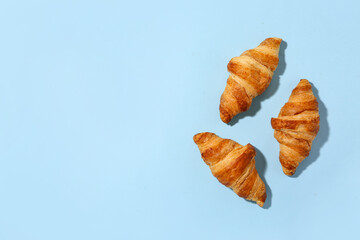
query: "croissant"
233, 165
296, 126
250, 75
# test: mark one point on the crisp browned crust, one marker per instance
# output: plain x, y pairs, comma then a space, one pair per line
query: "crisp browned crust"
296, 126
250, 75
233, 165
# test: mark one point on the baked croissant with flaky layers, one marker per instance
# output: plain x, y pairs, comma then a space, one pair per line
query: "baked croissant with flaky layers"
250, 75
296, 126
233, 165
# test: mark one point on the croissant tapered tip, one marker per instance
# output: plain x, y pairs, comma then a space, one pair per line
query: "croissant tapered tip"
224, 114
202, 137
262, 199
272, 122
272, 42
274, 39
260, 203
197, 137
304, 81
225, 118
289, 172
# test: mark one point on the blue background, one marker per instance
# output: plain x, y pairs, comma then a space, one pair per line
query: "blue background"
99, 101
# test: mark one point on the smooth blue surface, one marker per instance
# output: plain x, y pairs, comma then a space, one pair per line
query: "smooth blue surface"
99, 101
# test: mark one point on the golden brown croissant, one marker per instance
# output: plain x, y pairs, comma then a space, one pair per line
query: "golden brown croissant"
233, 165
296, 126
250, 75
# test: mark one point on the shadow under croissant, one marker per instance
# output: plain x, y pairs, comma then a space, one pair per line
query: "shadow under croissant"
270, 91
260, 164
321, 138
